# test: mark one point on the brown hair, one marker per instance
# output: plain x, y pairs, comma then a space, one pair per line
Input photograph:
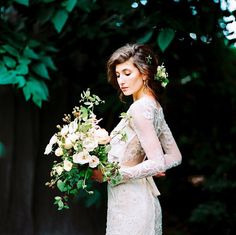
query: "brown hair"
143, 58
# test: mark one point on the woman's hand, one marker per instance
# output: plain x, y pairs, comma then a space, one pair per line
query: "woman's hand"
97, 175
161, 174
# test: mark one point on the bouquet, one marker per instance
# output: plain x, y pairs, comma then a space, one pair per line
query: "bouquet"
80, 145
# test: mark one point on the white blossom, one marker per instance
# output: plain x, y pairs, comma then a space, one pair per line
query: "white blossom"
59, 152
94, 161
64, 130
90, 144
48, 149
68, 143
73, 126
81, 157
102, 136
59, 169
67, 165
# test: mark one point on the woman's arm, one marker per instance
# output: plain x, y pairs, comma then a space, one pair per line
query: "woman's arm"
145, 130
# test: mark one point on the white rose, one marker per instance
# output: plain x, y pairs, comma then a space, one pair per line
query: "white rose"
59, 170
102, 136
81, 157
90, 144
94, 161
48, 149
59, 152
68, 143
64, 130
67, 165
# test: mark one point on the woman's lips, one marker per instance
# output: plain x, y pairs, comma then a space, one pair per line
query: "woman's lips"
124, 88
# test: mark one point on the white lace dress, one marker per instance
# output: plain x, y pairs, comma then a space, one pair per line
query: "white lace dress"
143, 145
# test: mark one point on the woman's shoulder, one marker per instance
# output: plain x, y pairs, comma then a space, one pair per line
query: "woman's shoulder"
146, 102
146, 106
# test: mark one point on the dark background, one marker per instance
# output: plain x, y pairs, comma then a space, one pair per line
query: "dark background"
50, 51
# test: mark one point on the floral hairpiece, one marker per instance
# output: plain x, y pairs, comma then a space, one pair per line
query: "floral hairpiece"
161, 75
148, 59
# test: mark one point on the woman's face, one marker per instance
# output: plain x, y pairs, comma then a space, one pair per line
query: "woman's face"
130, 80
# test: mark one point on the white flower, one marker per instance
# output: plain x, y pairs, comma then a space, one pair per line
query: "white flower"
81, 157
73, 137
67, 165
53, 140
68, 143
64, 130
90, 144
59, 169
94, 161
73, 126
48, 149
59, 152
102, 136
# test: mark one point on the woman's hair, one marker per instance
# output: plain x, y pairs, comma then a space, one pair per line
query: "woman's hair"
143, 58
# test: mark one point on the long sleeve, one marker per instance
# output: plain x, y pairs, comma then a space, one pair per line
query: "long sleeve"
172, 155
142, 117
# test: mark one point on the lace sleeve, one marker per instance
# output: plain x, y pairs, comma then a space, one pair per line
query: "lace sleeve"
142, 123
172, 154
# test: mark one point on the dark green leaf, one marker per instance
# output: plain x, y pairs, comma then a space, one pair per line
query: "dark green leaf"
80, 184
47, 60
9, 62
70, 5
164, 38
23, 2
60, 19
20, 81
37, 89
61, 185
28, 52
22, 69
11, 50
41, 70
146, 37
7, 77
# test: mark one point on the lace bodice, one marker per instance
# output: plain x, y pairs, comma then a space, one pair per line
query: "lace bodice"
142, 142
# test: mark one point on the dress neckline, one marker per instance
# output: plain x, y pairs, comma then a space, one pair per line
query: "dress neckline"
150, 99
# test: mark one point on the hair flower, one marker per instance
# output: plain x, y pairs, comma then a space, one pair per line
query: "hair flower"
161, 75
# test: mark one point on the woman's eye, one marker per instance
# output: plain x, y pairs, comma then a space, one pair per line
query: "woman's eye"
127, 74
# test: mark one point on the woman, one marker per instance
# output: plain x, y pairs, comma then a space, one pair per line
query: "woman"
142, 143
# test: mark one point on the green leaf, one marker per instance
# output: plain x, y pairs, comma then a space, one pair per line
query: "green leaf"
23, 2
28, 52
41, 70
11, 50
60, 19
61, 186
70, 5
164, 38
47, 60
9, 62
7, 77
146, 37
20, 81
80, 184
22, 69
37, 89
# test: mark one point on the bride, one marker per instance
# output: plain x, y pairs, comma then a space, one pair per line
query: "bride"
142, 143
